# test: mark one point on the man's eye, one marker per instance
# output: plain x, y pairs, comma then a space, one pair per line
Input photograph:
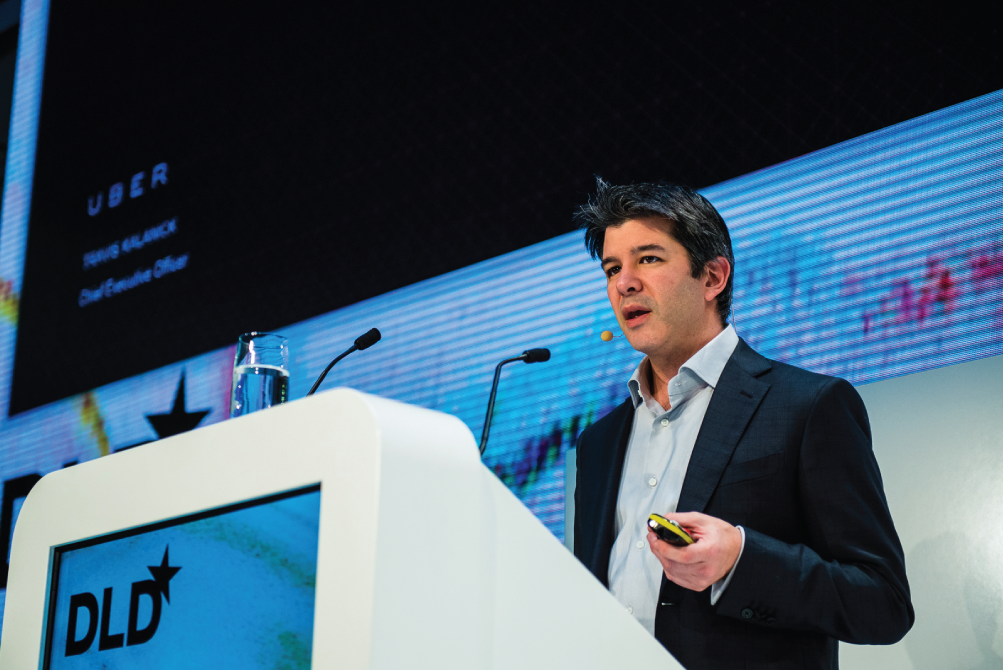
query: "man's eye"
612, 271
650, 259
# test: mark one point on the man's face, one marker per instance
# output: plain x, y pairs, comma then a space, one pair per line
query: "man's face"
660, 306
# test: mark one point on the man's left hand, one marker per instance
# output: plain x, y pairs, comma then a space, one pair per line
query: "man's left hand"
709, 559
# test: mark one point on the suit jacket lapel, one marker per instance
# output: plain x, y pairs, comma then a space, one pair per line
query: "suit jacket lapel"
736, 398
614, 452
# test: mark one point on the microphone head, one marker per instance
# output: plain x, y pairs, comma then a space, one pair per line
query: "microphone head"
368, 339
536, 355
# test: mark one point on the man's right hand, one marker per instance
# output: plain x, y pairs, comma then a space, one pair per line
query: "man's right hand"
709, 559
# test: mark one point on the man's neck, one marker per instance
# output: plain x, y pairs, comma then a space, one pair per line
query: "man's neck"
663, 366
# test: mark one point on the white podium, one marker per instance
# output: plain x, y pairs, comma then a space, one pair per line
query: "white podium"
423, 558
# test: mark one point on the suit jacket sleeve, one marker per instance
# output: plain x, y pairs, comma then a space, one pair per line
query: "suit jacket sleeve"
848, 581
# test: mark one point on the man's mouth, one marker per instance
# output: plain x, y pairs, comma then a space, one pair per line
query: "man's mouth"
634, 316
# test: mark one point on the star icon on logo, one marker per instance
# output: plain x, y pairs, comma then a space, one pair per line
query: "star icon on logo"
179, 419
162, 575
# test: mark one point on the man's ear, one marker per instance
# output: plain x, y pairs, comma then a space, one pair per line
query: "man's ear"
715, 276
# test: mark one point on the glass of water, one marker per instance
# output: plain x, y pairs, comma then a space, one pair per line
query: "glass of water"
260, 373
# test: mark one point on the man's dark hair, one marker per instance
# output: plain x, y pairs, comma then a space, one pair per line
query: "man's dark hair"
693, 222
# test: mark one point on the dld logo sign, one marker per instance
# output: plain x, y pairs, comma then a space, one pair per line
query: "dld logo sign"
151, 588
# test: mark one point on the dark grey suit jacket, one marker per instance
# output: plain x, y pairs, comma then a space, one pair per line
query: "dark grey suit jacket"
786, 454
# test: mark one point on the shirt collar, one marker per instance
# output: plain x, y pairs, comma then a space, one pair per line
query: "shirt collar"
707, 364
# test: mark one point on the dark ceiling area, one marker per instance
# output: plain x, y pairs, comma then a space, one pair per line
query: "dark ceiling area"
547, 96
746, 86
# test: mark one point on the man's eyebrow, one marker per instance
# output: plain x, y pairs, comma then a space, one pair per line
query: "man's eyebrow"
635, 250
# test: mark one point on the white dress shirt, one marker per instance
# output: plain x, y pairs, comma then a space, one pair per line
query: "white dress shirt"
658, 454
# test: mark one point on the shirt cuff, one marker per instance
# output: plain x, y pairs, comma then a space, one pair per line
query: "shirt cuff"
718, 587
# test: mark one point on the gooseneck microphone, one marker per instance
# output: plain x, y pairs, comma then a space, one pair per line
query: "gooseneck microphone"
529, 356
362, 342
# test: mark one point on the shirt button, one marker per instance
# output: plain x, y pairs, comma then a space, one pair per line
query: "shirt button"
630, 610
652, 481
665, 423
640, 544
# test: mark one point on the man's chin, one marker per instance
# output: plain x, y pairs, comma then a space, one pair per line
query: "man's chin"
640, 341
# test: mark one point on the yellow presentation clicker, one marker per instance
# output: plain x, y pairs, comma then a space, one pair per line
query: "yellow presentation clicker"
669, 531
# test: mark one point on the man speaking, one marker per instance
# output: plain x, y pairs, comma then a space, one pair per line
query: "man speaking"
769, 467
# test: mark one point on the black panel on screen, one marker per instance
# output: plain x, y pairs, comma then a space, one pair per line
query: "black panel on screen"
293, 163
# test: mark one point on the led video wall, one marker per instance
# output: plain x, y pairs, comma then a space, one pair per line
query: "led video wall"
874, 258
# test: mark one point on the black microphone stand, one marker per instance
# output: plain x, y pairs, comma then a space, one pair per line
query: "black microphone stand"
364, 341
529, 356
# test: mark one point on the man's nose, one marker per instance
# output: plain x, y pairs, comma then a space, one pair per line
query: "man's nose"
627, 281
